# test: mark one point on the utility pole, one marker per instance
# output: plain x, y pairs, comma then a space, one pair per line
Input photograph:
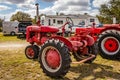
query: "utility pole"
3, 19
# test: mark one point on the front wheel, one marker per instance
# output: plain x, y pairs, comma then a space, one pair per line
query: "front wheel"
32, 51
109, 44
54, 58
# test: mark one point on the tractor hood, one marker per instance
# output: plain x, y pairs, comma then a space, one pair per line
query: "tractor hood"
43, 29
49, 29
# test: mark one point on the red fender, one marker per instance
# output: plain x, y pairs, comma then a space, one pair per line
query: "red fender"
65, 41
90, 40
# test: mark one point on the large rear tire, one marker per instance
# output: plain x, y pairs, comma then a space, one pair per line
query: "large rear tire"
54, 58
109, 44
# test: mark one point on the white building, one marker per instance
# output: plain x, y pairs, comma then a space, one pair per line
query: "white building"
59, 20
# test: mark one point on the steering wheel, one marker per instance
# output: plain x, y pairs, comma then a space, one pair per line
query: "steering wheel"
70, 22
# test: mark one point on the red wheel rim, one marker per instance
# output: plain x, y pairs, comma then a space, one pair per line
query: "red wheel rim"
53, 58
30, 52
111, 45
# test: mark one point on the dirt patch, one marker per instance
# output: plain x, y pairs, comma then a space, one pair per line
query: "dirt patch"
12, 45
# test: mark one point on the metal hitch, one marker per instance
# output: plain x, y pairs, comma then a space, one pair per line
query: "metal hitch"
84, 60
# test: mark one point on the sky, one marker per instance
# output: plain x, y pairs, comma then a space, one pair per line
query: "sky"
50, 7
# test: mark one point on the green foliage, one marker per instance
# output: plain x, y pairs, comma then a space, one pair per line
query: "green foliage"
110, 10
20, 16
34, 20
1, 25
8, 38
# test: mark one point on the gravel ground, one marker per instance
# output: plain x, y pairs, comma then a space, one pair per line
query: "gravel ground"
12, 45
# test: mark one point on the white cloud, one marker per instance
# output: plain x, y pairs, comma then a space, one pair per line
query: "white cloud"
28, 4
47, 11
94, 12
61, 6
67, 7
3, 7
6, 16
68, 4
49, 0
98, 3
12, 1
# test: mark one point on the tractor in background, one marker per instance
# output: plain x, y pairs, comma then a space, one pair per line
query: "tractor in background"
107, 38
54, 52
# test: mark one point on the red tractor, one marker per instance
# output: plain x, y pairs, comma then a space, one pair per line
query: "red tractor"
53, 51
108, 39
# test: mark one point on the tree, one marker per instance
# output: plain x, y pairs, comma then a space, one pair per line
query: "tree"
1, 24
34, 20
62, 14
20, 16
110, 10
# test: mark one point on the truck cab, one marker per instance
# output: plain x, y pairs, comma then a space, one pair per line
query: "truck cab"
22, 28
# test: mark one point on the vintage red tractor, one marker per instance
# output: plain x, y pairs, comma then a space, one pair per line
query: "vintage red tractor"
108, 39
53, 51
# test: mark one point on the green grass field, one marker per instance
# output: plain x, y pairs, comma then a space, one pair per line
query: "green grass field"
8, 38
15, 66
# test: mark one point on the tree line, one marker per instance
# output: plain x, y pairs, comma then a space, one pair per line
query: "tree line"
108, 11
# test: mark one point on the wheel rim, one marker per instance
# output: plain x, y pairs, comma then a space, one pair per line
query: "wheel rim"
30, 53
51, 59
110, 45
12, 33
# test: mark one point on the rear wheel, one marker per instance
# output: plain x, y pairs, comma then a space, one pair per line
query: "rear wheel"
54, 58
109, 44
12, 33
32, 52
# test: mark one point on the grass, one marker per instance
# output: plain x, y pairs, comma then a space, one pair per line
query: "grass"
15, 66
8, 38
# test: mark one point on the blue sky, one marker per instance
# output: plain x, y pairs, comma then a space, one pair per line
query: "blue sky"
10, 7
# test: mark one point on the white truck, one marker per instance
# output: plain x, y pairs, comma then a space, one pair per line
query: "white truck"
10, 27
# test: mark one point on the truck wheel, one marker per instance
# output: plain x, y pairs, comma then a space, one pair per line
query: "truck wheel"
32, 52
12, 33
109, 44
54, 58
91, 50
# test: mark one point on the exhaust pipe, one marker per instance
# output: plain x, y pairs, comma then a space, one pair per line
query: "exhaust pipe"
37, 14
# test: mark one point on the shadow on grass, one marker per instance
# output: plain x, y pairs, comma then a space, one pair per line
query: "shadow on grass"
98, 71
89, 70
